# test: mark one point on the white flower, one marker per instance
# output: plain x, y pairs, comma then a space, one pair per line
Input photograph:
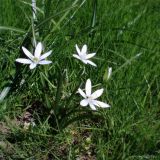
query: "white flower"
83, 56
90, 98
36, 59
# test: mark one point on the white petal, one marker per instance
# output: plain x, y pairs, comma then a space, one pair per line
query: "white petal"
45, 62
78, 50
32, 65
84, 61
92, 107
84, 102
27, 53
101, 104
84, 49
23, 60
76, 56
90, 55
97, 93
82, 93
91, 63
38, 50
109, 72
88, 87
45, 55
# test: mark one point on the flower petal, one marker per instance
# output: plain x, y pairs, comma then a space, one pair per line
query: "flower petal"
27, 53
101, 104
92, 107
90, 55
88, 87
23, 60
82, 93
97, 93
109, 72
84, 49
45, 55
32, 65
43, 62
84, 61
91, 63
38, 50
76, 56
78, 50
84, 102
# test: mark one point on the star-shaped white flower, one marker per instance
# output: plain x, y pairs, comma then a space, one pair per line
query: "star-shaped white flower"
35, 59
83, 56
90, 98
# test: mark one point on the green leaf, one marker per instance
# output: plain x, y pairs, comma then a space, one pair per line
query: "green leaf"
12, 29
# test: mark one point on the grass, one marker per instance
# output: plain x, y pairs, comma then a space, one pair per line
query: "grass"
125, 36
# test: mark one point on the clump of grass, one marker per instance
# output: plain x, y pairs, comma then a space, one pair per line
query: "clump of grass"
124, 34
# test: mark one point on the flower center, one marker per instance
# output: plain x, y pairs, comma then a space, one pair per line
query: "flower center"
90, 98
35, 59
83, 57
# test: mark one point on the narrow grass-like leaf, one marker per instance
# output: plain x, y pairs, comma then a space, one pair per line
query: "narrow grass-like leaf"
42, 74
30, 4
12, 29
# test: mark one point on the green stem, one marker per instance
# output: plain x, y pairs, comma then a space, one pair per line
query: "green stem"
59, 90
